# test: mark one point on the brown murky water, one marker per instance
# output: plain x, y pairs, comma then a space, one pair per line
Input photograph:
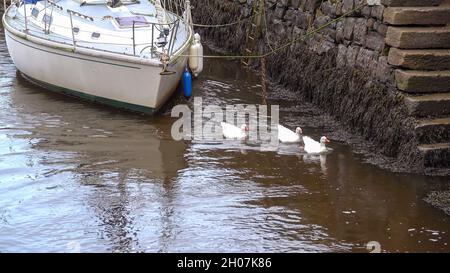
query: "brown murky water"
77, 176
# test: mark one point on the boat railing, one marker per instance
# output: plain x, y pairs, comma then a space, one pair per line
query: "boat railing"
172, 30
174, 6
165, 42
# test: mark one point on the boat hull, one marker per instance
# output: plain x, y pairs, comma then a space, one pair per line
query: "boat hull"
125, 84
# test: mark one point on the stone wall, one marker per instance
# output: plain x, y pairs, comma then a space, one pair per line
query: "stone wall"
358, 40
346, 68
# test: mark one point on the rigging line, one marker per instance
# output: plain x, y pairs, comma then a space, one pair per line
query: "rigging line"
301, 37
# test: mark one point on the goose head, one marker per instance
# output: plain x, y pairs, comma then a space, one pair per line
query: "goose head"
298, 131
244, 128
324, 140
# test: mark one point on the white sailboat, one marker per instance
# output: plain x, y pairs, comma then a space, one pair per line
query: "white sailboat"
125, 53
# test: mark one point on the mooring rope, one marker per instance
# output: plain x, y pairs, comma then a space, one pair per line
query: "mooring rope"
266, 29
224, 25
275, 50
263, 81
240, 20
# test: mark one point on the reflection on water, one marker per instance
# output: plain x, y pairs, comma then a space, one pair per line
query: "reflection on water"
321, 160
78, 174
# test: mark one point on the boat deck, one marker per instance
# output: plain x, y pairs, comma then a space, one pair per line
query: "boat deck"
98, 26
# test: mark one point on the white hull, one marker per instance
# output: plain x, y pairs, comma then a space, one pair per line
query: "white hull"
133, 85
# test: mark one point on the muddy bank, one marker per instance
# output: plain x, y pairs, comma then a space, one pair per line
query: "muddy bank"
440, 199
361, 96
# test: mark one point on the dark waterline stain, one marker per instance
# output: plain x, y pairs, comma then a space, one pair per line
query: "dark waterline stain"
78, 176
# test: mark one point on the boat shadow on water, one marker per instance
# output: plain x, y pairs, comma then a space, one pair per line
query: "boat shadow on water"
61, 124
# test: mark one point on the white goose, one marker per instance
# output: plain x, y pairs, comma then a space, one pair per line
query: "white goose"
314, 147
231, 131
287, 136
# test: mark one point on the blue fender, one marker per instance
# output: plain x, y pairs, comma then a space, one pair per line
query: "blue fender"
187, 83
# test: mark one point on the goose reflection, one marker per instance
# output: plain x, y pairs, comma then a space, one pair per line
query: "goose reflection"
320, 159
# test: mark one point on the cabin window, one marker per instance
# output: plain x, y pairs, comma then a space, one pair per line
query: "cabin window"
127, 22
47, 19
95, 35
35, 12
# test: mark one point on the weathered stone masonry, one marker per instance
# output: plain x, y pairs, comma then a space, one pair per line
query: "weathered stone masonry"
384, 71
